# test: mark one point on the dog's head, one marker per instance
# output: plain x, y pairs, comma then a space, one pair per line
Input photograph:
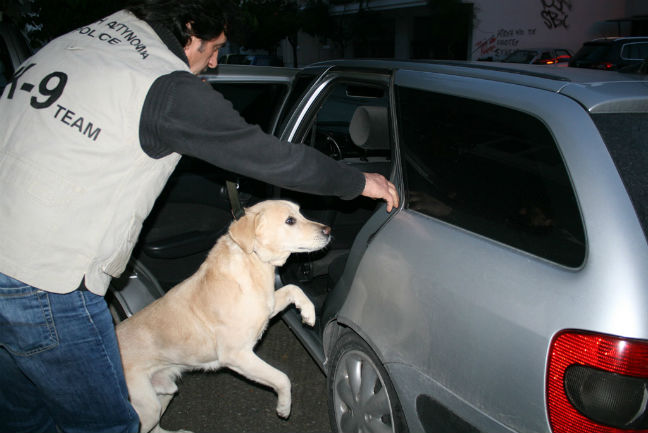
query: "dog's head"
275, 228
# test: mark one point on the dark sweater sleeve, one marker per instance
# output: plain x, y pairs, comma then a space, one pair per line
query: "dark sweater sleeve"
183, 114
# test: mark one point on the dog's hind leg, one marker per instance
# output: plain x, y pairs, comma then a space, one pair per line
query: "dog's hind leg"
145, 401
164, 399
246, 363
165, 387
163, 383
292, 294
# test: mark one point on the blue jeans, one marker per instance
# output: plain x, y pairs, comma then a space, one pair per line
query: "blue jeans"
60, 364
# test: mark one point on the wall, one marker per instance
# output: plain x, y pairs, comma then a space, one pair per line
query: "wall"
502, 26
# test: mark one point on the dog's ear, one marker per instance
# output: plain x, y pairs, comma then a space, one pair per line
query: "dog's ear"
242, 231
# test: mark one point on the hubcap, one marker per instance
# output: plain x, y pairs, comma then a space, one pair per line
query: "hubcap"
360, 397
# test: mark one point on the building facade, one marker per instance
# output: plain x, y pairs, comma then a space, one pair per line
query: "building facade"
474, 30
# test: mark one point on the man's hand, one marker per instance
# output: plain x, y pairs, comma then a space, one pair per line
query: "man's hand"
376, 186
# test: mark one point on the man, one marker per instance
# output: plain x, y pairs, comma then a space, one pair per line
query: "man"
90, 129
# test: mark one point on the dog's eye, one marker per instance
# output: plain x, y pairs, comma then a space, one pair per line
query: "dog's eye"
290, 221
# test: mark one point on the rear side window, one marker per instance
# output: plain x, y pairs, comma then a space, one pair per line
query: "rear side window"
625, 137
491, 170
635, 51
595, 52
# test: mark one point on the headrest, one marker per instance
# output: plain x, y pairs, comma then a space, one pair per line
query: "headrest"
369, 128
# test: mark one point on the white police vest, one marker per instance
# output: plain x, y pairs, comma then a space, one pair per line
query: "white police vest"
75, 185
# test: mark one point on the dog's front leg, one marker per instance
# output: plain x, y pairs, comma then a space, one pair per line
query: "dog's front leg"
291, 294
246, 362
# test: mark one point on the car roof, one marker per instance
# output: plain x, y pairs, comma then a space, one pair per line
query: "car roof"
598, 91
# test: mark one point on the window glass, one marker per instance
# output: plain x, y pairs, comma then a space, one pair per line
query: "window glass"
6, 70
625, 137
520, 56
595, 52
258, 103
563, 56
638, 50
329, 131
491, 170
300, 85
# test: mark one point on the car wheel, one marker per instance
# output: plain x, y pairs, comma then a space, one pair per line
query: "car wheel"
361, 395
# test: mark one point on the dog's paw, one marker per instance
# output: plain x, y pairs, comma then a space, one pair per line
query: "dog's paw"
283, 410
159, 429
308, 314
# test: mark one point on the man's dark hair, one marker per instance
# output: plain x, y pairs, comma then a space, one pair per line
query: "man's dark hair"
207, 18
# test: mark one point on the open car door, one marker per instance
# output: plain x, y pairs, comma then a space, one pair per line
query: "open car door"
194, 208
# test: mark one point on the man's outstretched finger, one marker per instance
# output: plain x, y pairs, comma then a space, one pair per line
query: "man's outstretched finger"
378, 187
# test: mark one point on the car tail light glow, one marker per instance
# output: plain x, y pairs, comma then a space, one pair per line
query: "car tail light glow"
597, 384
604, 65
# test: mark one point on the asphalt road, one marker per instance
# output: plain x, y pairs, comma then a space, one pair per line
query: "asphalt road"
224, 402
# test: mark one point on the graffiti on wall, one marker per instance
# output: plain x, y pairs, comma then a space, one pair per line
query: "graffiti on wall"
555, 13
500, 44
496, 46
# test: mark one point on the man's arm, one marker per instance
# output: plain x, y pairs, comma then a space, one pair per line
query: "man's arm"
184, 115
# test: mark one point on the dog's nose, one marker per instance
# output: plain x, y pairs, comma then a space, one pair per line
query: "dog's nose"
326, 230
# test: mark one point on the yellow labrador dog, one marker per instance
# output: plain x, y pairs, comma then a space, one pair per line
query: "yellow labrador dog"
214, 318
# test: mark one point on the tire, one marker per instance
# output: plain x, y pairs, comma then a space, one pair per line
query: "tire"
361, 397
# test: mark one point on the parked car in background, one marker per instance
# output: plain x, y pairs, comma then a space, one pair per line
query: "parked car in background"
540, 56
251, 59
13, 50
611, 53
506, 294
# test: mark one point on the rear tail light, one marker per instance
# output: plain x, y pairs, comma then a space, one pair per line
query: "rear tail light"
597, 384
605, 65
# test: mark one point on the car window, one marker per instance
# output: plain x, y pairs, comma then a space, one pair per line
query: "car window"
6, 70
635, 51
300, 85
329, 130
520, 56
258, 103
562, 56
489, 169
240, 59
595, 52
625, 136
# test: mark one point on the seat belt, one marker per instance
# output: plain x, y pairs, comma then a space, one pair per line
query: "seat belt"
235, 202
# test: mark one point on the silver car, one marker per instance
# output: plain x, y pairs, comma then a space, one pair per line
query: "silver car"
509, 291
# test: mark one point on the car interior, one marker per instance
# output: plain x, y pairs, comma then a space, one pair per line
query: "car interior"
349, 124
